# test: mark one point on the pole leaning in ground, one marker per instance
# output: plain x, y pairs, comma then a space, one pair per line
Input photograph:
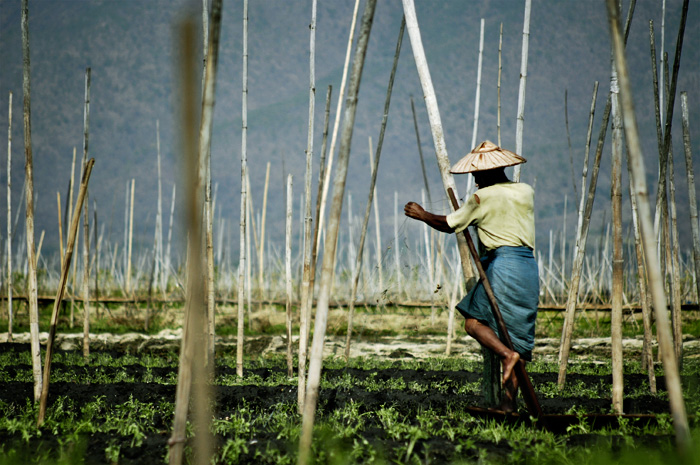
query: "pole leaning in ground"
65, 267
9, 222
321, 320
675, 393
435, 123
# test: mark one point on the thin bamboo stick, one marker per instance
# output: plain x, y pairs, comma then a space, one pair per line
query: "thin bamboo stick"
86, 224
377, 225
676, 317
498, 85
194, 374
321, 319
618, 263
582, 236
158, 272
306, 292
261, 261
397, 256
29, 176
288, 275
374, 162
244, 195
10, 313
129, 290
477, 99
673, 385
204, 171
336, 122
692, 196
65, 267
520, 121
435, 124
166, 267
60, 227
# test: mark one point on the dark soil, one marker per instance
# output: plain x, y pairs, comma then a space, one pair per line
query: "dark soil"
231, 398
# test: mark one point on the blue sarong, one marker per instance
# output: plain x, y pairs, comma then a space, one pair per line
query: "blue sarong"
513, 274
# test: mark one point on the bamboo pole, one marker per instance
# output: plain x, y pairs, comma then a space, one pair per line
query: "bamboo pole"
676, 317
374, 162
336, 122
159, 217
584, 219
204, 168
166, 266
65, 267
377, 226
29, 176
194, 374
397, 257
618, 263
321, 319
477, 98
520, 121
244, 195
60, 227
261, 262
673, 385
306, 291
498, 85
435, 124
647, 357
86, 224
288, 275
420, 151
131, 239
692, 196
10, 313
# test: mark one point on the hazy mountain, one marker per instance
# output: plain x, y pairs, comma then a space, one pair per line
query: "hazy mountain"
130, 47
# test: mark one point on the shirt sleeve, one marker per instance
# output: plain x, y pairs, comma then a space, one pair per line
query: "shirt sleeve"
465, 215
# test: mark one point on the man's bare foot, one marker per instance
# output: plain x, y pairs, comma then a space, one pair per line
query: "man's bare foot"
508, 364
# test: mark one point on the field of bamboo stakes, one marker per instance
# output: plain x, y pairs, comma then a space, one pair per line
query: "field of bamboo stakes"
626, 270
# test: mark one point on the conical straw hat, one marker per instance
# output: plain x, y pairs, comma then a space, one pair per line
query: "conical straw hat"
486, 156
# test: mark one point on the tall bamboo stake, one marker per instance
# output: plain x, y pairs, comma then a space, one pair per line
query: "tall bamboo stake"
584, 220
86, 224
397, 257
194, 373
331, 242
420, 150
374, 162
498, 85
159, 218
131, 238
65, 268
520, 122
377, 228
10, 314
166, 266
261, 266
435, 124
60, 227
336, 122
288, 275
618, 263
306, 292
477, 98
244, 195
204, 169
692, 196
673, 385
29, 176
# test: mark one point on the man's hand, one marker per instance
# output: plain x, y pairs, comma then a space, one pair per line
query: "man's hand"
413, 210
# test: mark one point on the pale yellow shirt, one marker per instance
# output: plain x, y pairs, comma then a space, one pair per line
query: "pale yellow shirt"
503, 213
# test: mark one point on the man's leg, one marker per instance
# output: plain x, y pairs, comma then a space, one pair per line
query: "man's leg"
488, 338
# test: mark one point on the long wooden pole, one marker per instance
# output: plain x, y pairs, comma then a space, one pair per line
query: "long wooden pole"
288, 275
692, 196
29, 176
65, 267
86, 225
373, 181
435, 123
477, 98
204, 171
261, 254
520, 121
673, 385
336, 122
10, 313
306, 292
244, 197
131, 238
321, 319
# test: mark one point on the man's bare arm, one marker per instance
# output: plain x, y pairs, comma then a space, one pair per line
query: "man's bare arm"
439, 222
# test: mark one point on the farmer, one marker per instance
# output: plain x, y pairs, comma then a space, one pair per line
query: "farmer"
503, 212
